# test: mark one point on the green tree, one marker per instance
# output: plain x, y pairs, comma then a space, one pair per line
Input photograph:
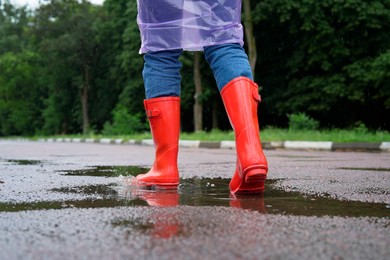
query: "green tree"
67, 36
249, 36
325, 58
20, 90
20, 94
198, 106
13, 27
122, 39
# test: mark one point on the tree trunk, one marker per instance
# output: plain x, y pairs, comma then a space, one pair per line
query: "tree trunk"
198, 107
84, 100
250, 38
215, 115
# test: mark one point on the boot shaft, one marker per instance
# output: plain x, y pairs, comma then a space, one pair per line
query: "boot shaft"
164, 120
241, 97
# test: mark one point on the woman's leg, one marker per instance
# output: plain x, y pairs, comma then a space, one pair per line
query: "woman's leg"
162, 105
228, 61
161, 74
240, 96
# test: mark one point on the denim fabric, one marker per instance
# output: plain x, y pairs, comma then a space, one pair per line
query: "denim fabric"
227, 61
161, 71
161, 74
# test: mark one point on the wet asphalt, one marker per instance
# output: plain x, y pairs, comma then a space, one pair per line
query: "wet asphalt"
74, 201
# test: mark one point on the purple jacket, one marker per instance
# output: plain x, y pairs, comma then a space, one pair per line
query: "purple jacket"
188, 24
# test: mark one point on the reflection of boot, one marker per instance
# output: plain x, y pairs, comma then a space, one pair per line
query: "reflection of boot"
164, 120
240, 97
248, 202
165, 223
169, 198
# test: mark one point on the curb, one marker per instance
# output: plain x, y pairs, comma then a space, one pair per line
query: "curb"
291, 145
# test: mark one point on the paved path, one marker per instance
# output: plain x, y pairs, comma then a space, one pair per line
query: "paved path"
318, 205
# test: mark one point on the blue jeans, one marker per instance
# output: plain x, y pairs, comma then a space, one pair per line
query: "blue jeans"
161, 71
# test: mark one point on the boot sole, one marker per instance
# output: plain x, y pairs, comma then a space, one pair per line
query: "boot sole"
157, 186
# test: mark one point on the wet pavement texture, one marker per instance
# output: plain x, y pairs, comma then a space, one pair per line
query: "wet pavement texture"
73, 200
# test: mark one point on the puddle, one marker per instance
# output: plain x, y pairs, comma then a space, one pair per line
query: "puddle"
24, 162
198, 192
107, 171
365, 169
105, 190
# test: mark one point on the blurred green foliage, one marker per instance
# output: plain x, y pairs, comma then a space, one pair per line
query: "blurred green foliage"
328, 60
124, 123
301, 121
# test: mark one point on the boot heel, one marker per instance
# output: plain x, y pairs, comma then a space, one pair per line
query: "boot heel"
165, 187
252, 182
255, 175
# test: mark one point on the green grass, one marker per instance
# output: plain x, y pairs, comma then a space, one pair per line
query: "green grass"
277, 134
267, 135
334, 135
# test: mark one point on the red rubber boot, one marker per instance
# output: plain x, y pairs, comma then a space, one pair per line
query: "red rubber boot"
241, 97
164, 120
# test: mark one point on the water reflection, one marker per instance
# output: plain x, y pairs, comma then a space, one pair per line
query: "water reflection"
251, 202
159, 198
163, 224
170, 198
166, 224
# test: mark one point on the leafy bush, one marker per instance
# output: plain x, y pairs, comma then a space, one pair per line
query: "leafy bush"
124, 123
301, 121
360, 128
